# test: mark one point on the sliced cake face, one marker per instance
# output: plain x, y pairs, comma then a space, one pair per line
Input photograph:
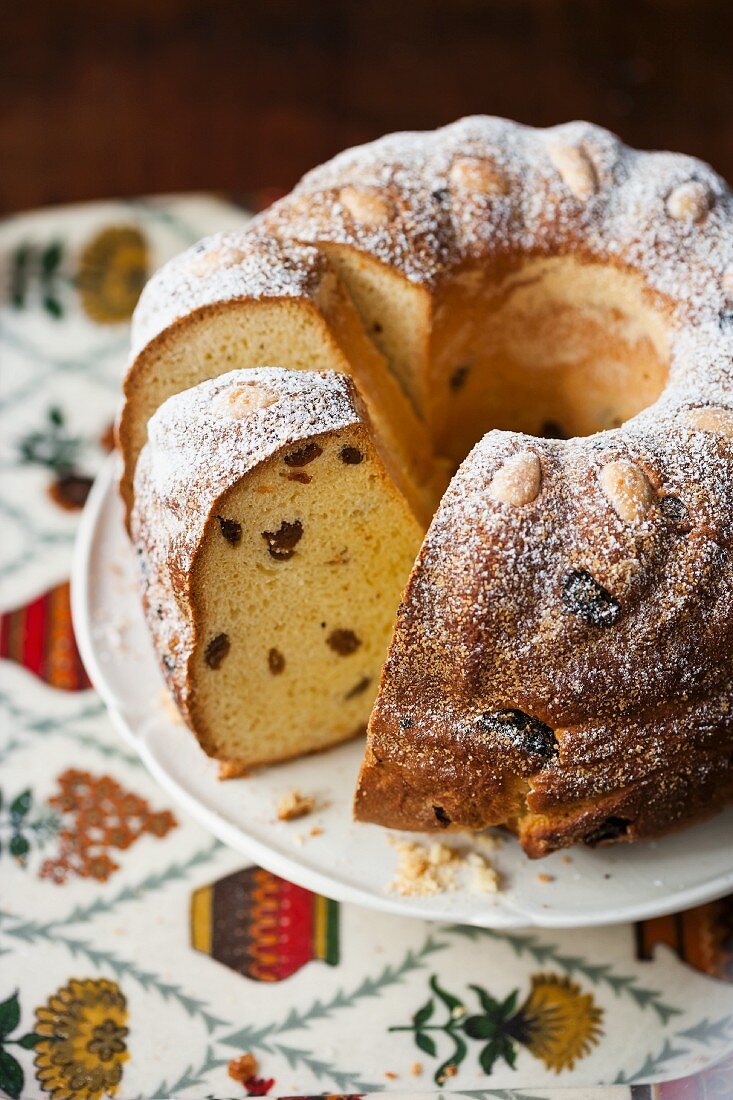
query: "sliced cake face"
242, 300
295, 589
293, 568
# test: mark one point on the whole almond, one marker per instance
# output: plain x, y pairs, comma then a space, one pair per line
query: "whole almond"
575, 168
689, 202
366, 205
518, 480
478, 175
242, 401
628, 490
711, 419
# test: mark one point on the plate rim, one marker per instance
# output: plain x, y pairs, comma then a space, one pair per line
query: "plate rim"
236, 838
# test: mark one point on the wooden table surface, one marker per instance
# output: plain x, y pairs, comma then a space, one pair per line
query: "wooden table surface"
130, 97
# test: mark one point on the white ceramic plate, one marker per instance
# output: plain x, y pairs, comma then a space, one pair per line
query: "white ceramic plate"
347, 861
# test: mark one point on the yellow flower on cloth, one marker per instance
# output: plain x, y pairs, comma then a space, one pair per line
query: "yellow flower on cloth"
82, 1049
558, 1023
113, 268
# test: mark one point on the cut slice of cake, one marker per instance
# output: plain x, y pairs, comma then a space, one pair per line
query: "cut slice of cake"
243, 300
275, 546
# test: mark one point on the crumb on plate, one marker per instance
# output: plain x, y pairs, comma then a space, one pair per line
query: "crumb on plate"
425, 870
293, 805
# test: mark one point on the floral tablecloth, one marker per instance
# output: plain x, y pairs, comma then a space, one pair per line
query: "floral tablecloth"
141, 958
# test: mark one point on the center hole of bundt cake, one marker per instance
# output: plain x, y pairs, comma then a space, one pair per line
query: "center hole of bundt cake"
553, 346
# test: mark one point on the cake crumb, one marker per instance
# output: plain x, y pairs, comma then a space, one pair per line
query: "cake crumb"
416, 1069
421, 871
243, 1068
230, 769
440, 854
391, 1076
484, 879
425, 870
316, 830
294, 805
545, 877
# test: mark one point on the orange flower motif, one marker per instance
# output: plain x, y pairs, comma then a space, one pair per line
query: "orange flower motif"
106, 817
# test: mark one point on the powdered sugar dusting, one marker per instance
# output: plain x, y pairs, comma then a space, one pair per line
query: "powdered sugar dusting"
608, 201
221, 268
198, 446
485, 626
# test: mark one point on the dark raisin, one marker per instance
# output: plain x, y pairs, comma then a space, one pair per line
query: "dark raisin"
552, 430
300, 476
441, 194
405, 722
216, 650
673, 509
585, 597
359, 687
275, 661
70, 491
282, 543
611, 829
159, 611
231, 530
377, 328
351, 456
523, 730
343, 642
459, 378
441, 817
169, 663
303, 455
725, 321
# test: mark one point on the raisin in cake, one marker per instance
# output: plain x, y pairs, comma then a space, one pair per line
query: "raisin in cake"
274, 548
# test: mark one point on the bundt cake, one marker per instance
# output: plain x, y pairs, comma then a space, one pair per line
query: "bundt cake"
562, 661
274, 548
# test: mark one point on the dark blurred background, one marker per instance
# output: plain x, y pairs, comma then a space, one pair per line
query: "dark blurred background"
126, 98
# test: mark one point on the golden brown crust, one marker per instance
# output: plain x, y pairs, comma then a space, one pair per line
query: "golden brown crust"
518, 692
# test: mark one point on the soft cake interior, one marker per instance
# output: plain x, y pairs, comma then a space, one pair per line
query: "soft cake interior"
326, 334
553, 347
295, 590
